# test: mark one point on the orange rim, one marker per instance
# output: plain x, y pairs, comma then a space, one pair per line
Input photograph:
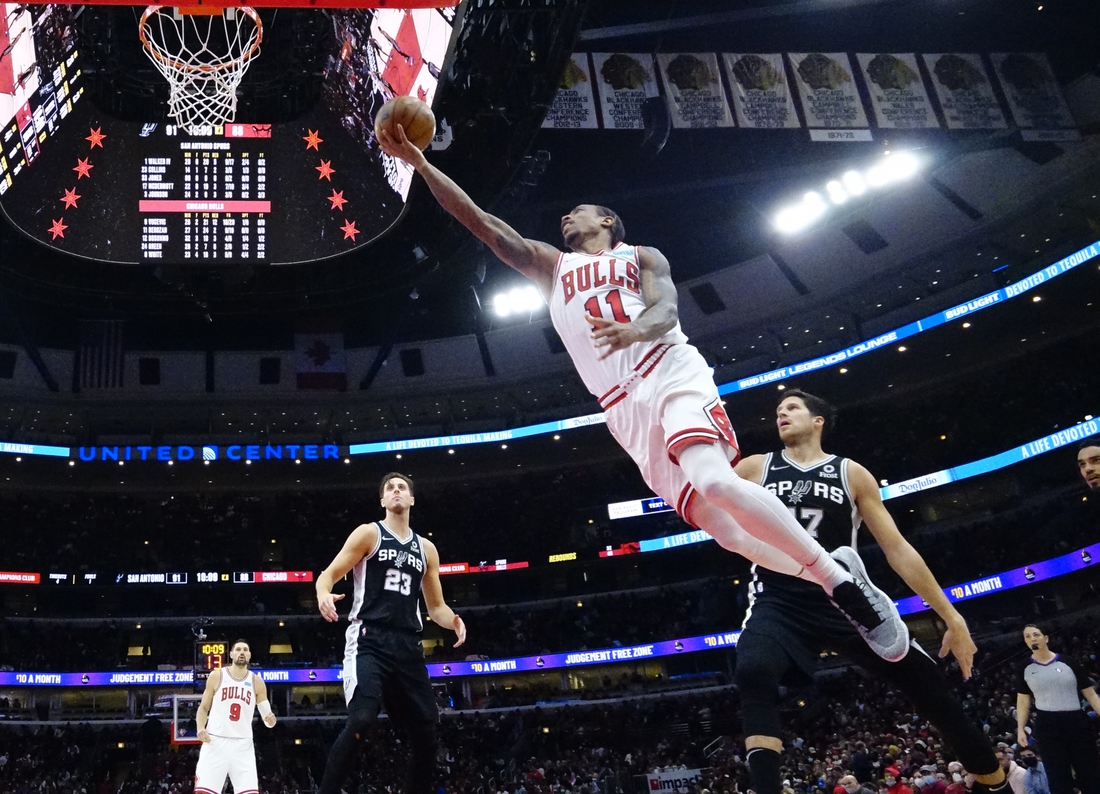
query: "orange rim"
190, 67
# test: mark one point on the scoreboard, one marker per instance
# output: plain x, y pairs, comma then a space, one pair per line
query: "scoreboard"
93, 186
208, 200
244, 194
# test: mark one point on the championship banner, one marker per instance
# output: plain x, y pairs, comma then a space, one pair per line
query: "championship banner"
674, 779
830, 99
573, 107
761, 94
1032, 92
625, 82
693, 90
897, 91
965, 91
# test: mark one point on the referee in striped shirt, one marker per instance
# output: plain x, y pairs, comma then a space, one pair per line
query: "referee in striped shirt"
1068, 742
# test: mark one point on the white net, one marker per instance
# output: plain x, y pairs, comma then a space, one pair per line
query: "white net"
203, 57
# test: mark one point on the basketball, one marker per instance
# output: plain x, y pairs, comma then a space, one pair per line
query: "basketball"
412, 114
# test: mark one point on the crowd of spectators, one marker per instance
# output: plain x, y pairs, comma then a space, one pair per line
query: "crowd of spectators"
1008, 538
845, 724
693, 608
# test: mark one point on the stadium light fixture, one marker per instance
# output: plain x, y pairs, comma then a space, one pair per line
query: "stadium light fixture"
836, 191
854, 183
891, 169
518, 300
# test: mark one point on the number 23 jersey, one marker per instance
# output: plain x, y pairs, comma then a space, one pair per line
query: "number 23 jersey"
606, 284
386, 584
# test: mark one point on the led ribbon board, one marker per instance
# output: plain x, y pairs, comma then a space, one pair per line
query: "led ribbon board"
987, 585
1017, 577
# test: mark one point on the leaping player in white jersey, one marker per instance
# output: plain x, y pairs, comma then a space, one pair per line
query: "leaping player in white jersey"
614, 307
224, 722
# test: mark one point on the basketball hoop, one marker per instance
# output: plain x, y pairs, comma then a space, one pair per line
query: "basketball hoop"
202, 61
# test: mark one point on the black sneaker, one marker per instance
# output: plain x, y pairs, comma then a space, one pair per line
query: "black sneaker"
870, 610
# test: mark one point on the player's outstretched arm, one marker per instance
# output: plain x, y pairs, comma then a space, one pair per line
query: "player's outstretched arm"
213, 681
262, 704
910, 566
441, 614
532, 258
359, 544
659, 316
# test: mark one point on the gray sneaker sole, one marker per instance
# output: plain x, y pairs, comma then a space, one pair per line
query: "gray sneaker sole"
890, 640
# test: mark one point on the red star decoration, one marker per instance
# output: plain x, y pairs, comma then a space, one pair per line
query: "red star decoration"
326, 170
58, 228
337, 199
312, 140
83, 168
349, 229
97, 137
70, 198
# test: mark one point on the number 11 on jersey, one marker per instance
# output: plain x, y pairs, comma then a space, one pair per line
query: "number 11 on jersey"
614, 301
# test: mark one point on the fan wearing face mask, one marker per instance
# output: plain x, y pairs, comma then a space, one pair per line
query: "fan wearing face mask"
1035, 774
892, 783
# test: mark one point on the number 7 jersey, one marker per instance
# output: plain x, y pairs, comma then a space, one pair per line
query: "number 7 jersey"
608, 285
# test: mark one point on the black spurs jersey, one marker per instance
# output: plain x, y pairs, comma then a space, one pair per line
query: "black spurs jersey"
387, 582
819, 498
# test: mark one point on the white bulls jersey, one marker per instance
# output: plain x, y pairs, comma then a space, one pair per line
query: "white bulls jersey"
608, 285
233, 707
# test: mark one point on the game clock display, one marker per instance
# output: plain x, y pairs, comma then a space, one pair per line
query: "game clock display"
211, 655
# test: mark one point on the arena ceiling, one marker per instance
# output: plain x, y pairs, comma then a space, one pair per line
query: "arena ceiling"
704, 197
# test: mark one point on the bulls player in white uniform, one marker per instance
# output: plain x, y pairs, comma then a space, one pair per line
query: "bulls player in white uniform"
614, 307
224, 722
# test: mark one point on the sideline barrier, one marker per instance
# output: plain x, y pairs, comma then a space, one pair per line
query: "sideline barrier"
1007, 580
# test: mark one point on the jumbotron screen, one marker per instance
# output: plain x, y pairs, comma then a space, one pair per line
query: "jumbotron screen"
93, 186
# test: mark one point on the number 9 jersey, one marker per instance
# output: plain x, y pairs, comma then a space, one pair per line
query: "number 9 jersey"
233, 707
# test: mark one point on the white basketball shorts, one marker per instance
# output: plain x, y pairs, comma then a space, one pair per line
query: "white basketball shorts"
676, 405
221, 757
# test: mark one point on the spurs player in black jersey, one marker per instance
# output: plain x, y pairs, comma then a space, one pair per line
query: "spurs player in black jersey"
383, 660
789, 623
